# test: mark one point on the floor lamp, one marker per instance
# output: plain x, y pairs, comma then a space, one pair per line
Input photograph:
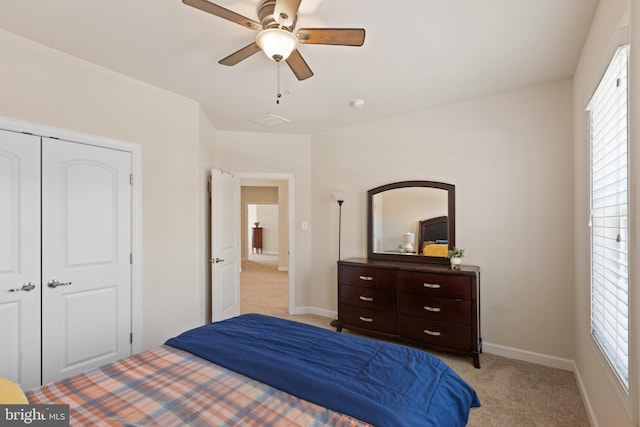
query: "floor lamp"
339, 196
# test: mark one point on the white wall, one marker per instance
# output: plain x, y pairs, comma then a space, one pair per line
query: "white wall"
510, 158
604, 403
42, 85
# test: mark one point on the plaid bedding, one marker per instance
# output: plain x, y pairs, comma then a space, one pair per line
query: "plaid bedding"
170, 387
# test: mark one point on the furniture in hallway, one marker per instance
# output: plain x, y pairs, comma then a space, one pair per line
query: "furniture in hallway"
256, 240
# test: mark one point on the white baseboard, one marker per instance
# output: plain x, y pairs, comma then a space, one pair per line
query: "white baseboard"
529, 356
315, 310
585, 398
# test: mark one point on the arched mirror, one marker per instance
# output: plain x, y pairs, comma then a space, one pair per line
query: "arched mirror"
411, 221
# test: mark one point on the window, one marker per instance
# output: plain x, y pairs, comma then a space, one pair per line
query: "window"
609, 220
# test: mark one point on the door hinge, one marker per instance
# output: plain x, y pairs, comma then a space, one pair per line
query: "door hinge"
130, 257
131, 179
130, 337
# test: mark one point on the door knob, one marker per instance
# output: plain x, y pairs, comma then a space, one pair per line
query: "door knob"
216, 260
29, 286
53, 283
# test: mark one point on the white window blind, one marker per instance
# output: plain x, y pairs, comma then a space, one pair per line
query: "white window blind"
609, 221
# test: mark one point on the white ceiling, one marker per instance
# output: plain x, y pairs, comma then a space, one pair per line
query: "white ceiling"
417, 53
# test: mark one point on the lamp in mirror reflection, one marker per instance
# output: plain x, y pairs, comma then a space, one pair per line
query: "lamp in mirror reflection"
408, 239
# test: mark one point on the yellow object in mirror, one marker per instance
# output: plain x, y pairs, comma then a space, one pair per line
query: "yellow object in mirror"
435, 250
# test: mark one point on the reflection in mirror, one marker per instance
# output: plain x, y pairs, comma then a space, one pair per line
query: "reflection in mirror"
411, 221
397, 215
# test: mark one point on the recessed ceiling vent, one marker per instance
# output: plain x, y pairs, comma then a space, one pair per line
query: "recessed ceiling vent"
269, 120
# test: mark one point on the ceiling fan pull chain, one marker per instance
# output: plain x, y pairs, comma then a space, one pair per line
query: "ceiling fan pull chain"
279, 95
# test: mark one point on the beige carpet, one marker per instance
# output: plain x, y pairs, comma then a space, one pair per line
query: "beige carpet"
512, 393
263, 289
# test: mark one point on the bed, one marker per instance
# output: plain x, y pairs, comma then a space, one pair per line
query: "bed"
433, 236
260, 370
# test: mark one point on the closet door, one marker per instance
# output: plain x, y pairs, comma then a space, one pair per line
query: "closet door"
86, 245
20, 258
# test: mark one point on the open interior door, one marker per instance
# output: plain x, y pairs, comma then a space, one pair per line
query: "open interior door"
225, 245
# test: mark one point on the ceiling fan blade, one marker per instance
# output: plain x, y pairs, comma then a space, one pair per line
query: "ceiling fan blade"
334, 36
220, 11
299, 66
240, 55
285, 11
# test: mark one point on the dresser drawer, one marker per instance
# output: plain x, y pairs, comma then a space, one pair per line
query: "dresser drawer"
378, 299
438, 309
435, 285
435, 333
379, 321
369, 277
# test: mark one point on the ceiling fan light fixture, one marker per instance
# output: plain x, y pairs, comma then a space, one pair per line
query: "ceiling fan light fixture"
276, 43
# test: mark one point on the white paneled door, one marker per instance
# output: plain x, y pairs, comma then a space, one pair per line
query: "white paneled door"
225, 249
65, 257
86, 247
20, 258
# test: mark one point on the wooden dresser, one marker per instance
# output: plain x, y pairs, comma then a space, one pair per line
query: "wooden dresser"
256, 240
428, 305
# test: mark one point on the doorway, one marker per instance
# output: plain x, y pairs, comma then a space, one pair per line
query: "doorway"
265, 237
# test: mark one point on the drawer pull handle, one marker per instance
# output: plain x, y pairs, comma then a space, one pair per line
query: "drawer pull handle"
432, 285
432, 309
368, 299
432, 333
367, 278
366, 319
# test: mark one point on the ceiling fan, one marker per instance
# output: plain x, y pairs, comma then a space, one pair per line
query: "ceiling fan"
276, 38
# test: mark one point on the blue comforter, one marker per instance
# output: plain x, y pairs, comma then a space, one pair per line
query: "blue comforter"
381, 383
